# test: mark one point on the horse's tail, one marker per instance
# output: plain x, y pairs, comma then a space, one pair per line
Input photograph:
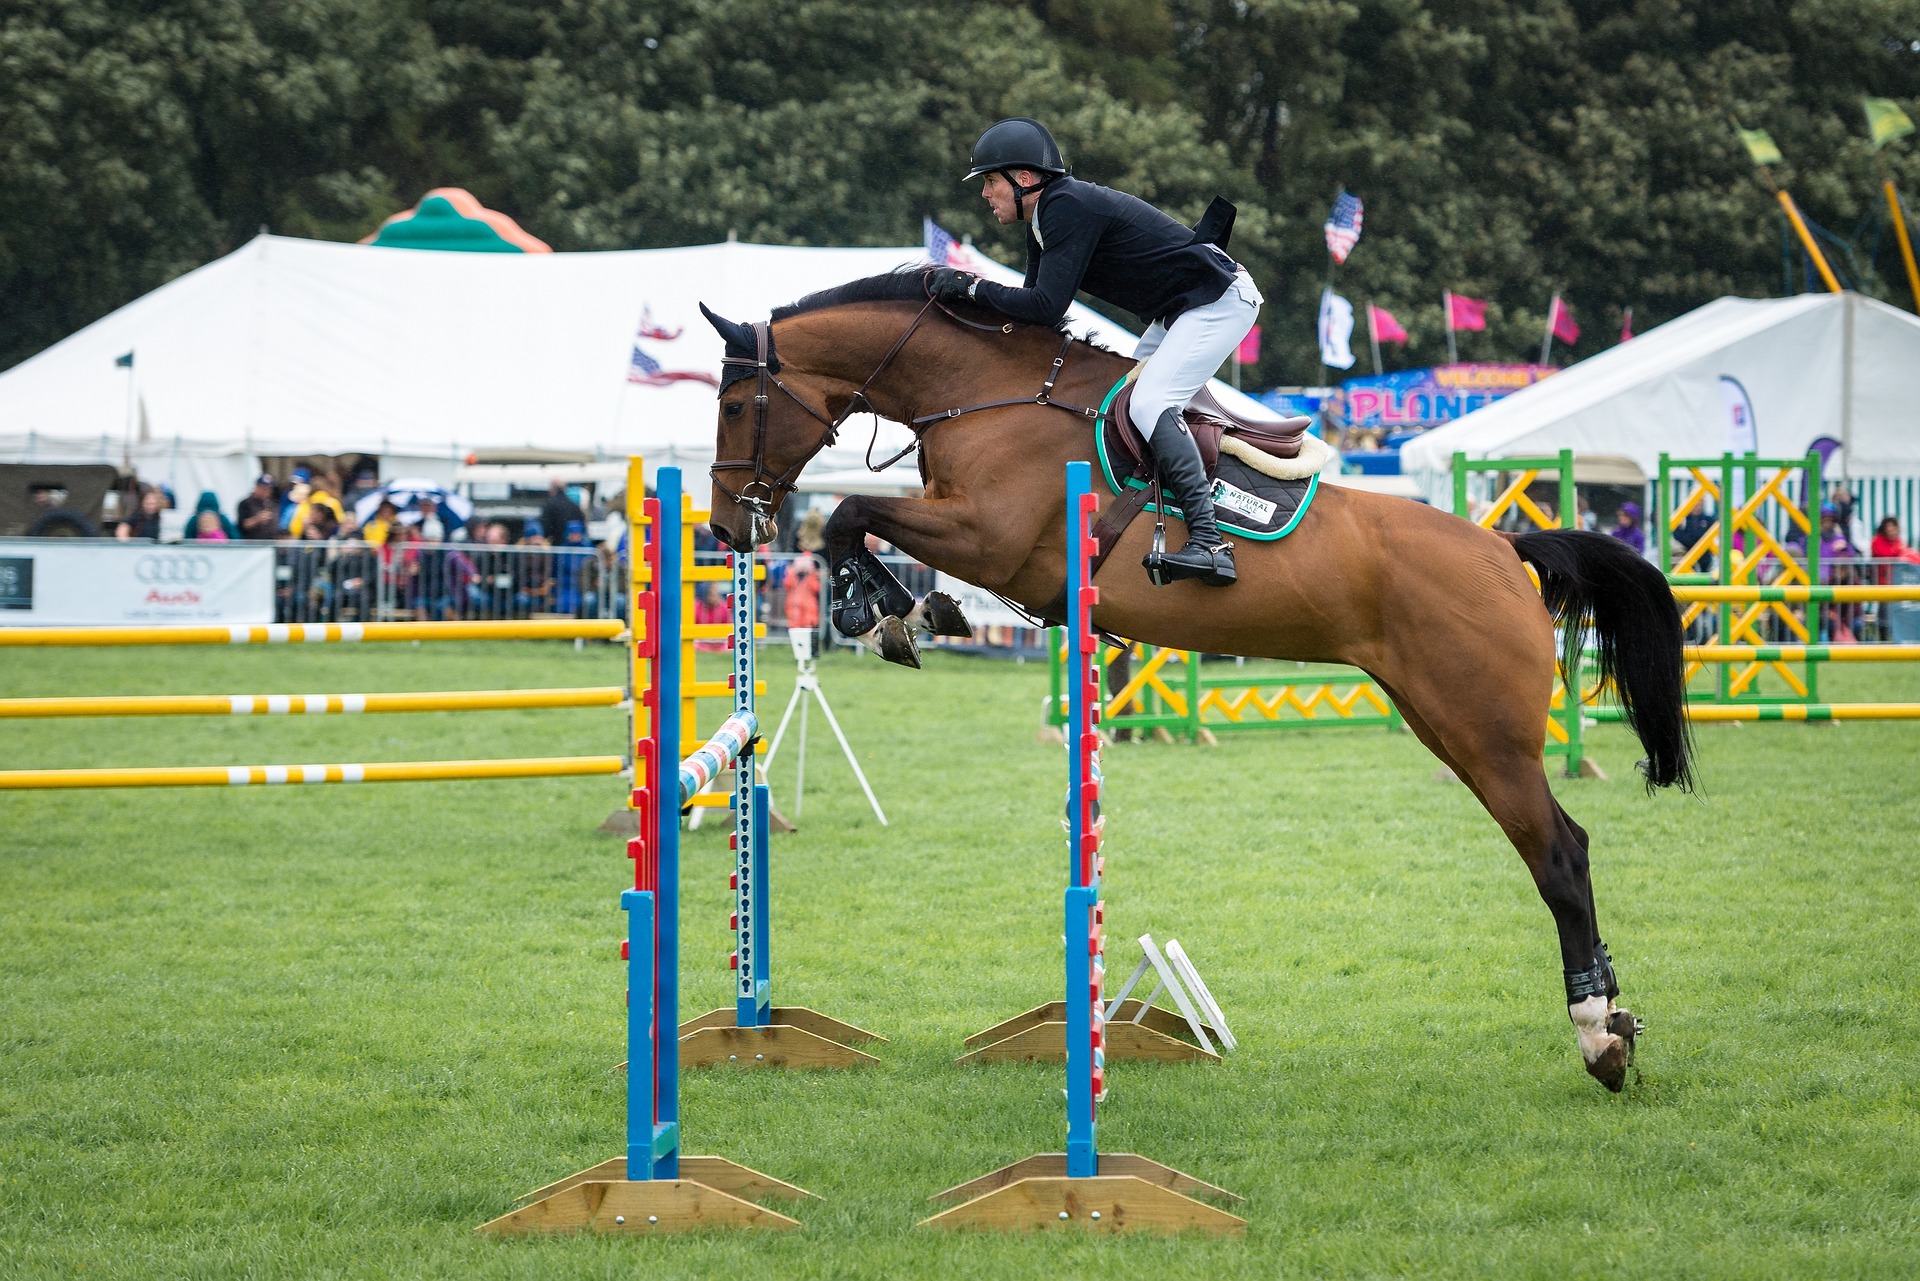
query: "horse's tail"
1636, 622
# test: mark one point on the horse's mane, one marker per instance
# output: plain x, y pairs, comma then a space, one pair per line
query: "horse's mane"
903, 284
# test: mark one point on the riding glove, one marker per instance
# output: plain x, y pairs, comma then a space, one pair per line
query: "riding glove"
949, 285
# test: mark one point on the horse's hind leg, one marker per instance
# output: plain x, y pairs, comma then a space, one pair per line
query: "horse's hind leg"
1505, 771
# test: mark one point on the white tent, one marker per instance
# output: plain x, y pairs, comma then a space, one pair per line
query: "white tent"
1774, 375
289, 347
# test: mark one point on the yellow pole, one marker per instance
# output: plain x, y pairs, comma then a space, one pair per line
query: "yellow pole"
1906, 245
1806, 238
1806, 712
1796, 594
317, 633
479, 700
255, 775
1801, 653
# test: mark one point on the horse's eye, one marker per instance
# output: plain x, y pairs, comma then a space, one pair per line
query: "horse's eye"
733, 410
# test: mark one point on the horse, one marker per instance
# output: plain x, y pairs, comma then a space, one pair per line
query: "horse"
1439, 612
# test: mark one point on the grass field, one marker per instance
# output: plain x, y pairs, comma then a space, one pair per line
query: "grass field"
325, 1031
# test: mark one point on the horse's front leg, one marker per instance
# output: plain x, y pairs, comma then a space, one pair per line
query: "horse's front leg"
869, 604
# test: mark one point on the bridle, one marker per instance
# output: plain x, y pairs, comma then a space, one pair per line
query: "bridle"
762, 490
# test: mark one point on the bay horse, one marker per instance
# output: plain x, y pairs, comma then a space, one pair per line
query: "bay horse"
1439, 612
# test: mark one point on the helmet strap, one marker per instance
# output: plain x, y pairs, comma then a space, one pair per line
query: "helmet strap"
1020, 193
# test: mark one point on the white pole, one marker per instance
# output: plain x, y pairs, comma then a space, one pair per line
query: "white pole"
1546, 343
1446, 307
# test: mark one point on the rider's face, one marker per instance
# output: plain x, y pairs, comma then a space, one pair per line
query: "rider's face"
998, 193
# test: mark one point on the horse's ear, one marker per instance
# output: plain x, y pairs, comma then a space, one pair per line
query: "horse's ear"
737, 336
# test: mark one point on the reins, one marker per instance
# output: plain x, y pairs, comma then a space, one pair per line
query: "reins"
759, 492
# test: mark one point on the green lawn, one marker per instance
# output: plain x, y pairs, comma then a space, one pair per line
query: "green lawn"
326, 1031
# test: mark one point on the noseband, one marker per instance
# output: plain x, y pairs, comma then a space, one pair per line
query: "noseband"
762, 490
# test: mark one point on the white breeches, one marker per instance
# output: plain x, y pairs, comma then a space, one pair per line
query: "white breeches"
1190, 351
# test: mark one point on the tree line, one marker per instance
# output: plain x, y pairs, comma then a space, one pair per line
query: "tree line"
1505, 149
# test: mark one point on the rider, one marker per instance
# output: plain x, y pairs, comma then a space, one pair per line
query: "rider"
1197, 303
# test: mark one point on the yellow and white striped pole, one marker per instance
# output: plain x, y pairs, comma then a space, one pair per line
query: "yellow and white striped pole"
268, 775
478, 700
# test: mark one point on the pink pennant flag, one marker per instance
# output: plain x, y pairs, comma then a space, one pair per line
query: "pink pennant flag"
1564, 327
1466, 313
1385, 327
1626, 326
1248, 353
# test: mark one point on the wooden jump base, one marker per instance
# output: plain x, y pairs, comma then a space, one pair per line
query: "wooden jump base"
270, 775
315, 633
653, 1188
1119, 1192
480, 700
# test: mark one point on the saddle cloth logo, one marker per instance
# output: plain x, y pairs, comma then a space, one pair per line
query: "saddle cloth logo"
1236, 499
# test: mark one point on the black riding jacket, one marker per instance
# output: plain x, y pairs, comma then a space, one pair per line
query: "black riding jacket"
1118, 248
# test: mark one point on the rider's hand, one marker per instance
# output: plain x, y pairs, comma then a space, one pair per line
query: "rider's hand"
949, 285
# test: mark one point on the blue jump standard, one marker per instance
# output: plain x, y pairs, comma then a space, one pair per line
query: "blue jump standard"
1117, 1192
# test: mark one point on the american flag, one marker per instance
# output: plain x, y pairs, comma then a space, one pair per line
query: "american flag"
943, 249
1343, 225
648, 329
646, 371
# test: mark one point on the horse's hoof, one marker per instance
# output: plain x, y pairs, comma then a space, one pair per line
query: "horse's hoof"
1610, 1069
896, 643
940, 615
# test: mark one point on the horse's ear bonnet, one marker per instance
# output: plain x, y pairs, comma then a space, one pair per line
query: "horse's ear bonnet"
740, 347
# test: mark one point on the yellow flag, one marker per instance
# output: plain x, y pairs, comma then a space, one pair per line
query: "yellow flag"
1885, 121
1759, 145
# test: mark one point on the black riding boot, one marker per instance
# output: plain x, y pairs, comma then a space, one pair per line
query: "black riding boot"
1207, 556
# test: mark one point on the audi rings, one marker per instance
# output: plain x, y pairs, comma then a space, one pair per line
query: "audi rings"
177, 569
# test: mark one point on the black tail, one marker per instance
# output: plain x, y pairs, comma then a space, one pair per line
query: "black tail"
1637, 624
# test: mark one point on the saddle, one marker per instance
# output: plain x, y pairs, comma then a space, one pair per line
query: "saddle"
1208, 420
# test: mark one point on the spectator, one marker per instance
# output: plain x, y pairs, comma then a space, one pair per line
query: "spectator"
812, 533
355, 574
260, 511
429, 508
1695, 527
559, 509
567, 566
1841, 499
209, 504
803, 594
710, 606
144, 524
1887, 545
310, 587
533, 570
380, 528
432, 577
1842, 620
1626, 527
302, 499
207, 527
490, 592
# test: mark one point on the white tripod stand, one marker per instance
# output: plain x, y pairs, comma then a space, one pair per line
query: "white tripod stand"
807, 686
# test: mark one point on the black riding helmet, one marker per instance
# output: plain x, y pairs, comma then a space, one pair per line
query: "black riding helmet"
1018, 143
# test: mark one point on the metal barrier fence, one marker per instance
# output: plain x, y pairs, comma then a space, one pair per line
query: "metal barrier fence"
334, 581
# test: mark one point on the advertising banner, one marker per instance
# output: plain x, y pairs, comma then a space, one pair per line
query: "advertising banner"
67, 582
1428, 397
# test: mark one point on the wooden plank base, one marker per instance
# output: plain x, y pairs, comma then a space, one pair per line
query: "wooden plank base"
616, 1205
788, 1016
1053, 1165
1109, 1203
1040, 1035
778, 1045
714, 1171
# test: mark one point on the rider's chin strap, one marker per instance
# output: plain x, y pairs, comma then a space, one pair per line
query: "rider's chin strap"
1020, 193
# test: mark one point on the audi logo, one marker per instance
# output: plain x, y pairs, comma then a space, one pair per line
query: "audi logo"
178, 568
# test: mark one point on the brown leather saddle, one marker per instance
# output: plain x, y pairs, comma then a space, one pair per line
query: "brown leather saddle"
1208, 420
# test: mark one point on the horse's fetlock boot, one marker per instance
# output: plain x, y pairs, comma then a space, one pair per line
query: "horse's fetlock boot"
896, 642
